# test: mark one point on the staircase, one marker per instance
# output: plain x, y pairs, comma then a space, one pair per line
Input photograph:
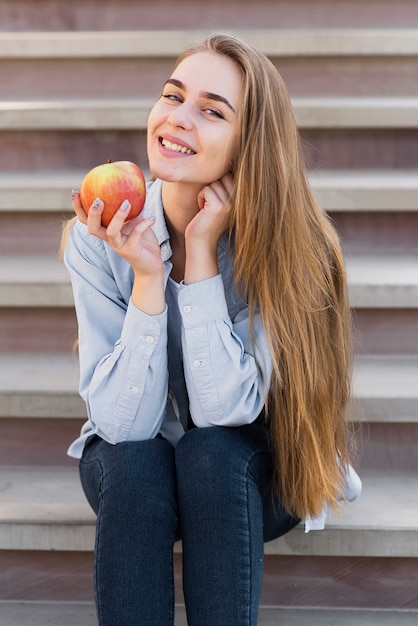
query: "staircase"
76, 83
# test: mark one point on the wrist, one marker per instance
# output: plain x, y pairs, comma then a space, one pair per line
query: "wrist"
201, 263
148, 293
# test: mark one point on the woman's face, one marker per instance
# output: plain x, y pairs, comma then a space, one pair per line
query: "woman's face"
192, 127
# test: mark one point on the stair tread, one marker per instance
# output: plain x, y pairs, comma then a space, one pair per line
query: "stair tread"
158, 43
383, 280
41, 507
38, 385
32, 613
132, 113
33, 281
375, 281
348, 190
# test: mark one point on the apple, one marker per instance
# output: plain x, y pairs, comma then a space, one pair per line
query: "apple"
114, 182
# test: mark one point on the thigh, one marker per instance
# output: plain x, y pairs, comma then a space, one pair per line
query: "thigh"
219, 462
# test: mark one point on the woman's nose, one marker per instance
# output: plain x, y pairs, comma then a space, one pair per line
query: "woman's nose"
182, 116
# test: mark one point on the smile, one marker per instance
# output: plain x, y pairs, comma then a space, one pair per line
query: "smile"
174, 147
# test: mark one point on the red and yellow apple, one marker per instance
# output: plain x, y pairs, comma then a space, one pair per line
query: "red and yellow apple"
114, 182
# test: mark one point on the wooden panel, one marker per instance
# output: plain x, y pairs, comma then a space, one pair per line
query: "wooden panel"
389, 446
43, 330
31, 233
386, 232
128, 14
37, 441
49, 150
384, 331
330, 581
358, 149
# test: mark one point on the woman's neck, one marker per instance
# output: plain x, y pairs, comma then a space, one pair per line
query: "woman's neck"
180, 207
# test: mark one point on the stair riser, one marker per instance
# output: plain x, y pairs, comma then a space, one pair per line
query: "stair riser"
37, 329
32, 234
43, 441
376, 331
143, 77
128, 15
391, 446
31, 441
387, 331
37, 233
288, 580
377, 232
326, 149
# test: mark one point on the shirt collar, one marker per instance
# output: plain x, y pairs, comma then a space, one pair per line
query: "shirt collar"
154, 208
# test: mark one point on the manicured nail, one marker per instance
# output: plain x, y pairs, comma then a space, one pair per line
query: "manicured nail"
96, 203
125, 205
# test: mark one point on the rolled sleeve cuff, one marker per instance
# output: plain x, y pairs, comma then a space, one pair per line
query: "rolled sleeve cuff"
139, 327
203, 302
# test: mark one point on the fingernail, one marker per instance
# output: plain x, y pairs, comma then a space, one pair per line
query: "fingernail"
96, 203
124, 206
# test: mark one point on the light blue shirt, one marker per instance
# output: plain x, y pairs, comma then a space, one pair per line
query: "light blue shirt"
141, 375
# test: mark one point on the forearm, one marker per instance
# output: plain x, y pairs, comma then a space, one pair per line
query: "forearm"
148, 294
201, 262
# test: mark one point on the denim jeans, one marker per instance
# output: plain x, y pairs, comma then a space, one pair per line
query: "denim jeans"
214, 492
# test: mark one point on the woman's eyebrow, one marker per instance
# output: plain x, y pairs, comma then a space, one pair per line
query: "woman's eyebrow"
203, 94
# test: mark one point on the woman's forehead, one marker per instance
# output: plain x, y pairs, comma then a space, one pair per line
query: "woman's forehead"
209, 72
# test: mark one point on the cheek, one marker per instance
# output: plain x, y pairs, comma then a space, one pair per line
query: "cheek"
153, 120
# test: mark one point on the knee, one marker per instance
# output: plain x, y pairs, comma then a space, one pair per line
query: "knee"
130, 474
201, 450
209, 460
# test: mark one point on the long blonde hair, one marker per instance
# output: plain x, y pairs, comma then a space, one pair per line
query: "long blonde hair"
290, 265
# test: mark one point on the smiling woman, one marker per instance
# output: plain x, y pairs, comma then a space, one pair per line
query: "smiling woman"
215, 352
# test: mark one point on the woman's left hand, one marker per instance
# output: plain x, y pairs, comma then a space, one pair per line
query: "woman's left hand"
204, 231
213, 218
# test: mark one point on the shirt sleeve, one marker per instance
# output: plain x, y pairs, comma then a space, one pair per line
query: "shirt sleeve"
226, 381
122, 350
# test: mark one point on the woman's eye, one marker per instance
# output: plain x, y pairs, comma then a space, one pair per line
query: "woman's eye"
171, 96
215, 113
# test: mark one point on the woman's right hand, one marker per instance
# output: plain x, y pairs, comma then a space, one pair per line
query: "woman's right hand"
135, 241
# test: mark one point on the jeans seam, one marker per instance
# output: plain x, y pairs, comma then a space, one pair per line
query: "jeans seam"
98, 463
249, 564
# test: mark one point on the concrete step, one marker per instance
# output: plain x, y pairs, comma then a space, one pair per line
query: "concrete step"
34, 282
132, 113
46, 385
22, 613
292, 42
383, 281
336, 190
374, 282
44, 508
35, 385
314, 63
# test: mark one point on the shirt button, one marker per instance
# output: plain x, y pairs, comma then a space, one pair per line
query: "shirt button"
196, 363
134, 390
164, 247
149, 339
187, 309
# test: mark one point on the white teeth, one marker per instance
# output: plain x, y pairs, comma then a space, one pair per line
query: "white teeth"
174, 147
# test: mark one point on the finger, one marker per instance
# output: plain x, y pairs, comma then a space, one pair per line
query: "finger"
77, 206
94, 219
117, 226
228, 182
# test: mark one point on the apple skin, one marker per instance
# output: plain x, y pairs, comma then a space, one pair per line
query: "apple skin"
114, 182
